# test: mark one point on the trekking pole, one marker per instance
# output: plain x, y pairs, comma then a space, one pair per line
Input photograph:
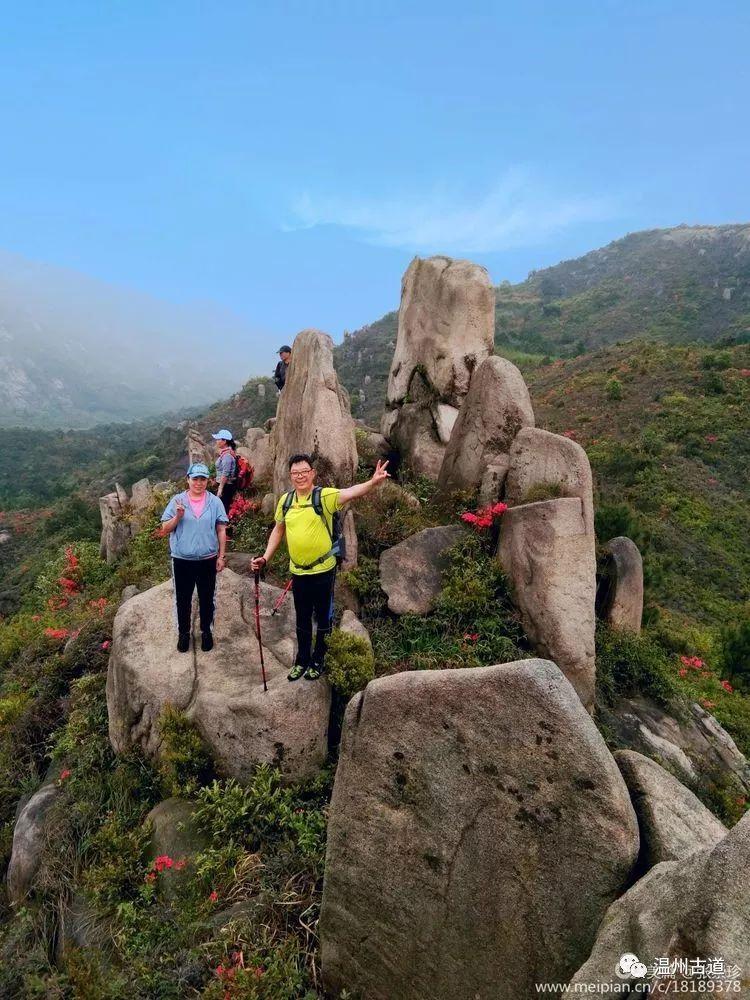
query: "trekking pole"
280, 601
257, 627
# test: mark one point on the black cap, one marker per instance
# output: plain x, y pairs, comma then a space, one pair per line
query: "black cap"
284, 347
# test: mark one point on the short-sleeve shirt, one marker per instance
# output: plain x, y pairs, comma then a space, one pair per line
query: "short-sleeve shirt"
195, 537
306, 536
226, 465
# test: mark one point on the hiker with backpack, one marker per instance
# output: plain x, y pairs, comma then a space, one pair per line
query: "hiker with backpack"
226, 467
307, 516
282, 366
195, 521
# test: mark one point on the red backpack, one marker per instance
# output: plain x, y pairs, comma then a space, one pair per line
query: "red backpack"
244, 473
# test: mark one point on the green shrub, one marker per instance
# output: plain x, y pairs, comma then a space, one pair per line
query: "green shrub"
613, 389
350, 664
184, 761
735, 652
364, 581
542, 491
628, 664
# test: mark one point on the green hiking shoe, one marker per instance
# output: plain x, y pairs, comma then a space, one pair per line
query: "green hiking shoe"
314, 671
296, 672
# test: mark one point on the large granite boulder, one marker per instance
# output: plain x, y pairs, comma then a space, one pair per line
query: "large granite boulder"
539, 459
548, 554
446, 328
479, 828
220, 691
496, 407
29, 840
197, 449
619, 597
411, 573
313, 416
673, 822
258, 451
697, 908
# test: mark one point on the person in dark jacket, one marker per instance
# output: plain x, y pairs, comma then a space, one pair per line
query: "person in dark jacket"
279, 375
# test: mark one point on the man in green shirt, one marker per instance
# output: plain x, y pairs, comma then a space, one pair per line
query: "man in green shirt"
309, 538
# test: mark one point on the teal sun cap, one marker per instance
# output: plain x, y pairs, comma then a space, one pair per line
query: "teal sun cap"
198, 470
222, 435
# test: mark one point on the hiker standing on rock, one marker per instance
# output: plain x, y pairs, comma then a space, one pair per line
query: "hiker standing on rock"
279, 375
196, 524
312, 554
226, 467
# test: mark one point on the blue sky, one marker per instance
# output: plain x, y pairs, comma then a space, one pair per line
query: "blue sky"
286, 160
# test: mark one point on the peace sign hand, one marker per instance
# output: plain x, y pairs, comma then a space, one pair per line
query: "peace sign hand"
380, 475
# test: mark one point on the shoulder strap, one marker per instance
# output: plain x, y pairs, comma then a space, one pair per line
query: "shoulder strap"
317, 503
288, 501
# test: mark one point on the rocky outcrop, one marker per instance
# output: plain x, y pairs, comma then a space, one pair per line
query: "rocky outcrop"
496, 407
349, 533
313, 416
445, 329
220, 691
197, 449
258, 451
116, 528
29, 840
539, 459
351, 624
411, 573
492, 483
548, 555
695, 908
674, 824
619, 596
479, 828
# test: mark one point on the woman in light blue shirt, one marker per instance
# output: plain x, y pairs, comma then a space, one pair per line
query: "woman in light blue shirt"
195, 521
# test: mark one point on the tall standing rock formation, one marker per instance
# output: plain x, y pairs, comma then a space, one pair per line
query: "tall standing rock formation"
496, 407
446, 328
313, 415
620, 595
548, 554
479, 828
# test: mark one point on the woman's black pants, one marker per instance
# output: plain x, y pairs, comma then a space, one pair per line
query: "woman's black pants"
313, 594
187, 575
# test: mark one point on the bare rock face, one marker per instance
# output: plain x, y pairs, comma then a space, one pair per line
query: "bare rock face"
548, 554
349, 531
674, 824
694, 908
620, 595
221, 691
197, 449
29, 840
313, 416
116, 530
411, 572
496, 407
492, 483
479, 828
141, 498
257, 450
446, 328
539, 458
353, 626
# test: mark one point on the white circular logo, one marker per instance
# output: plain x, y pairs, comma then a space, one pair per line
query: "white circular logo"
630, 967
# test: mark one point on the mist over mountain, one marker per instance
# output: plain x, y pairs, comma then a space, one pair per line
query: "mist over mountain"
75, 351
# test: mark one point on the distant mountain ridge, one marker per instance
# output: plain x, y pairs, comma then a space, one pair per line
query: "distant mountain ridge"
75, 352
680, 285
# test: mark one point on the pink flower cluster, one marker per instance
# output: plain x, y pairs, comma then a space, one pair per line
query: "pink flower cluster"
484, 517
164, 863
240, 507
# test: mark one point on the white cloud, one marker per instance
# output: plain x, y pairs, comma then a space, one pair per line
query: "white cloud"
516, 211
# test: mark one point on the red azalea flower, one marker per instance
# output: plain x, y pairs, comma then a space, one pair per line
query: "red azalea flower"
708, 704
213, 896
106, 644
56, 633
179, 865
68, 585
683, 672
569, 434
36, 618
471, 636
99, 605
151, 876
741, 800
712, 438
66, 773
745, 372
727, 686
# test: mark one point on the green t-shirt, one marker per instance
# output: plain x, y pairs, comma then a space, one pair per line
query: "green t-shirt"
306, 535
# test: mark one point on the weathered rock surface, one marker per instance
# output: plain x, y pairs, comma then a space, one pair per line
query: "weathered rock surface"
445, 329
220, 691
351, 624
29, 840
496, 407
492, 484
548, 554
479, 828
268, 505
175, 834
411, 572
539, 458
258, 451
695, 908
116, 529
371, 445
314, 416
197, 449
619, 597
349, 532
127, 592
674, 824
696, 749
